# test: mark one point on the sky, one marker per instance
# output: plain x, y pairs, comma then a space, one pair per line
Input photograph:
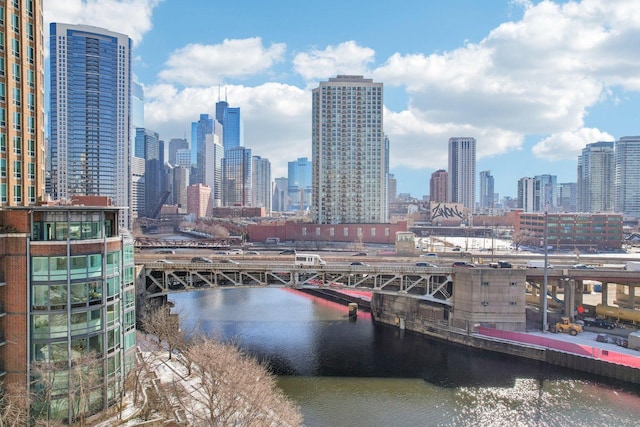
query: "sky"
532, 81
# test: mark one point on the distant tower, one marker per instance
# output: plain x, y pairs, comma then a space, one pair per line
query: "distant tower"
547, 192
261, 183
627, 200
299, 185
176, 144
486, 189
527, 195
596, 178
349, 150
462, 171
233, 129
90, 114
393, 188
280, 195
438, 185
236, 177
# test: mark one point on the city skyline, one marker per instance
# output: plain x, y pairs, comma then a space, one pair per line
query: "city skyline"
532, 98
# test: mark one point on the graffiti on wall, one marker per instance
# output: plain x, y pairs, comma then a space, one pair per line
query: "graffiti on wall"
447, 211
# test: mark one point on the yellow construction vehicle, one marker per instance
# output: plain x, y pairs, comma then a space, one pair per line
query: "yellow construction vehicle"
565, 326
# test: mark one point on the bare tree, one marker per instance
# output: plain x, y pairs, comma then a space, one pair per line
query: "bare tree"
165, 326
231, 388
84, 375
522, 237
14, 405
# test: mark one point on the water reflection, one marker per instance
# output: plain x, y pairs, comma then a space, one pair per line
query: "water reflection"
358, 373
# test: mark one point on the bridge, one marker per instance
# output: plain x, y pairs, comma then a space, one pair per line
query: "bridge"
206, 243
432, 284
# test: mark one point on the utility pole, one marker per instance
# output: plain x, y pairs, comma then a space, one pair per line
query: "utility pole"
546, 265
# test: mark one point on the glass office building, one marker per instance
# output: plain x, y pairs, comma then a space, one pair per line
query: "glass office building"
90, 114
237, 177
75, 278
627, 155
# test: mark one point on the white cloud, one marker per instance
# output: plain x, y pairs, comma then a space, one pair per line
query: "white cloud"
130, 17
568, 145
346, 58
202, 65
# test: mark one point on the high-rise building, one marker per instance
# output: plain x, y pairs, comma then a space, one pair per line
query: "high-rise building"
233, 128
199, 131
212, 170
299, 185
180, 182
393, 188
236, 177
261, 183
547, 192
486, 189
183, 158
90, 114
137, 187
151, 148
528, 195
461, 185
199, 201
627, 159
280, 190
22, 143
438, 185
567, 197
596, 178
176, 144
349, 150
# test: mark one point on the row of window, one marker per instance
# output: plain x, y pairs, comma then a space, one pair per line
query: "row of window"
17, 145
17, 169
17, 193
74, 230
17, 121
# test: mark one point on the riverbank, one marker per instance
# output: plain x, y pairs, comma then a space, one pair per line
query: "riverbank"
553, 349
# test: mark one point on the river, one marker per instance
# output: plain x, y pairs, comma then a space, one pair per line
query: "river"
355, 373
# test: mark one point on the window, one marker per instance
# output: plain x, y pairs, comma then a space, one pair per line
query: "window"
17, 169
31, 101
30, 78
2, 91
3, 193
30, 31
1, 66
32, 194
15, 48
16, 72
15, 22
17, 119
17, 145
31, 147
3, 168
30, 54
31, 124
3, 119
3, 143
16, 96
31, 170
17, 194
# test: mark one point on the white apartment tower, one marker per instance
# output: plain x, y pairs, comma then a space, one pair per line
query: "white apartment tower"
461, 183
349, 154
596, 178
627, 155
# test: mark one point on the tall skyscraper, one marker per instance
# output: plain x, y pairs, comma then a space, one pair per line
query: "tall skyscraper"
627, 159
299, 184
151, 148
233, 128
261, 183
212, 167
528, 192
236, 177
349, 164
462, 171
596, 178
176, 144
486, 189
438, 185
567, 197
90, 114
22, 143
280, 189
199, 131
547, 192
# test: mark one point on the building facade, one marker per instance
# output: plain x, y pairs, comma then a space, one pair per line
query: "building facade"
461, 185
528, 195
261, 183
212, 172
486, 189
279, 201
176, 144
22, 122
90, 114
547, 188
627, 176
237, 177
575, 231
67, 288
349, 150
233, 128
567, 197
199, 201
596, 178
299, 185
438, 185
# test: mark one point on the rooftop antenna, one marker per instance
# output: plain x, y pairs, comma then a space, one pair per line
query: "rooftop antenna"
218, 92
225, 94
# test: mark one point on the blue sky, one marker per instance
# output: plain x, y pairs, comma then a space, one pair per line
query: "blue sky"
532, 81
